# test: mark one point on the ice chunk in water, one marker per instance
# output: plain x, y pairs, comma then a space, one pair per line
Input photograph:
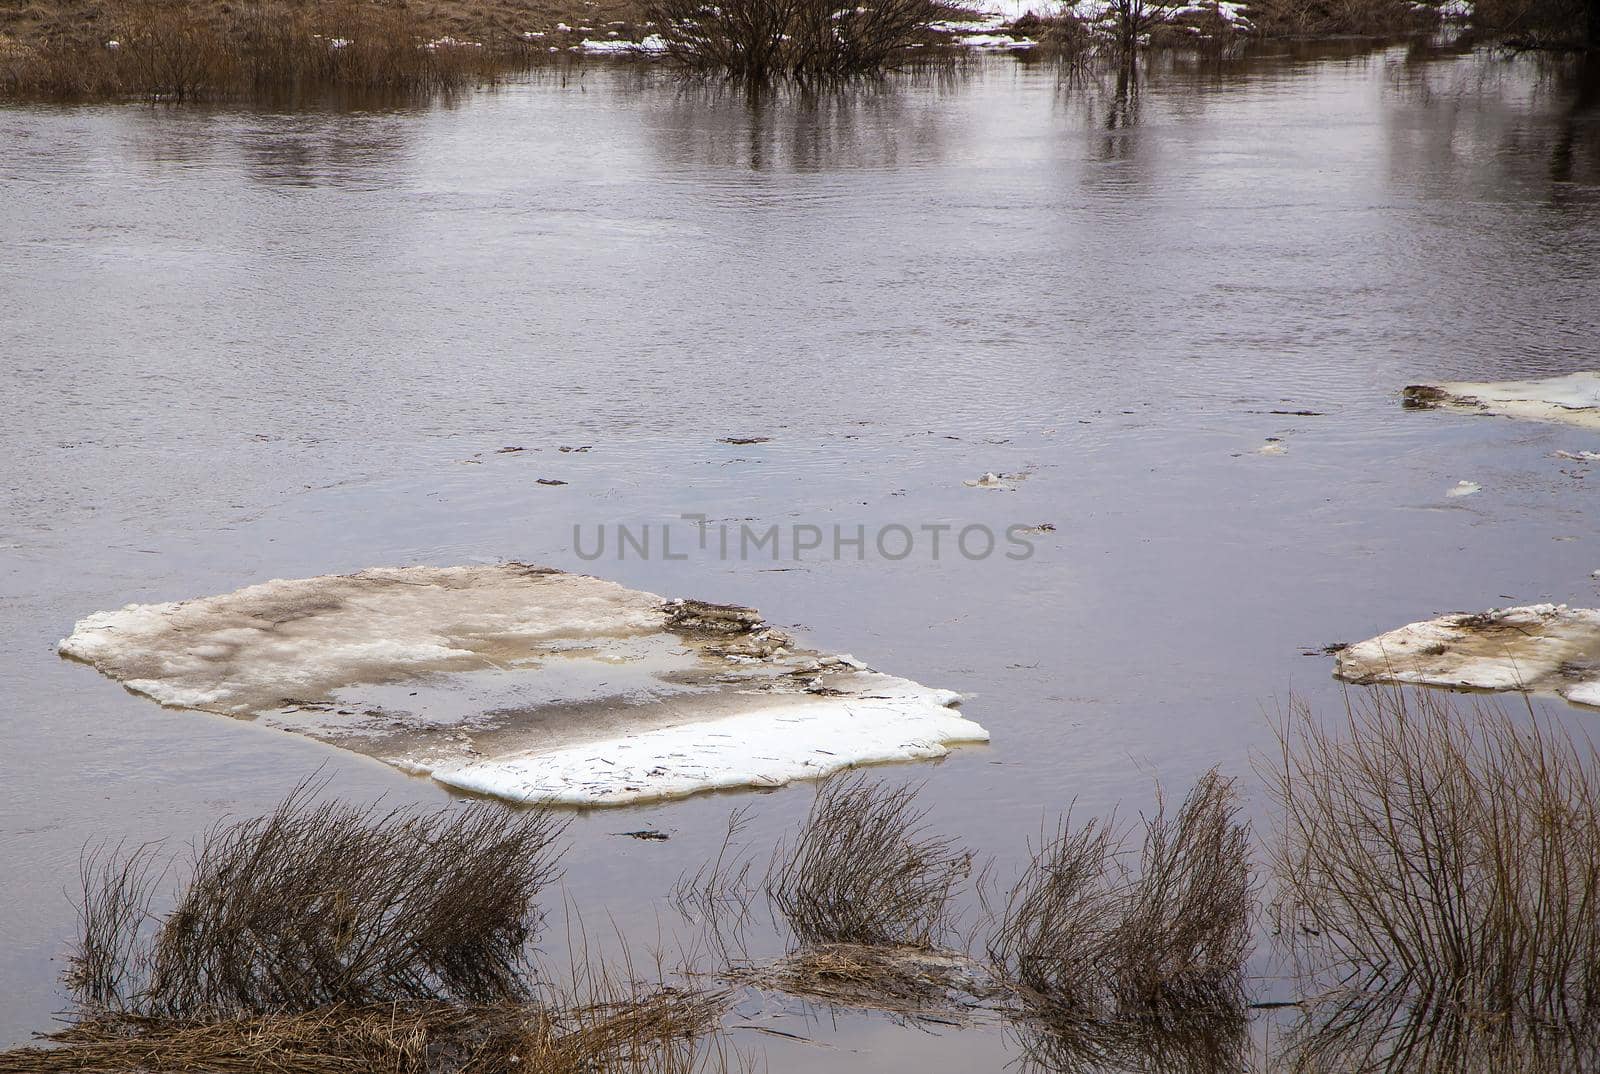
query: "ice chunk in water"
1537, 647
524, 682
1573, 399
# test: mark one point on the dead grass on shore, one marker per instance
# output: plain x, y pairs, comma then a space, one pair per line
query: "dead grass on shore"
1439, 884
178, 51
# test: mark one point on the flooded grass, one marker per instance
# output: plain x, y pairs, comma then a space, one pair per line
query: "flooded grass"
661, 1031
864, 869
1087, 938
321, 903
1439, 866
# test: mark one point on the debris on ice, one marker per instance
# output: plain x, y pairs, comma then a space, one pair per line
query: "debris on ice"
1573, 399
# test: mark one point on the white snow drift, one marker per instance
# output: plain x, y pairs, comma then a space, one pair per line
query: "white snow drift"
1573, 399
1537, 647
524, 682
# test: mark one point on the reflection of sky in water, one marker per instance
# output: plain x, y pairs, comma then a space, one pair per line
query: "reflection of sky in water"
243, 346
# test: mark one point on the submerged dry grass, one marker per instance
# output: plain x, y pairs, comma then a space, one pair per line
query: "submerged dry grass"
660, 1032
321, 903
1439, 875
865, 870
1088, 939
1438, 890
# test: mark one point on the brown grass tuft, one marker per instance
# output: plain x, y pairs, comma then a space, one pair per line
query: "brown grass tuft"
322, 903
864, 870
1087, 940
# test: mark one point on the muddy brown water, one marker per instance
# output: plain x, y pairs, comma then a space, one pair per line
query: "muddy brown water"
241, 345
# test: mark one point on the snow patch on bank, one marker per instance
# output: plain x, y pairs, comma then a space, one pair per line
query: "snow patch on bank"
1538, 647
1573, 399
523, 682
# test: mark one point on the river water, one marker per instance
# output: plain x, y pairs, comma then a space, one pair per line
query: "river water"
241, 345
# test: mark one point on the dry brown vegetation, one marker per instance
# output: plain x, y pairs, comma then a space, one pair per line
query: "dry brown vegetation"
1439, 873
661, 1031
1437, 892
808, 41
321, 903
217, 49
865, 870
1089, 939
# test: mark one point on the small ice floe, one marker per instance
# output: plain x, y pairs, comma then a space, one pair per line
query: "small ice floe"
1573, 399
524, 682
1464, 488
1537, 647
1274, 446
999, 482
1577, 456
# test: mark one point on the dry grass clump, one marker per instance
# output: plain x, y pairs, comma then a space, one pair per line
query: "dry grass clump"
1088, 940
322, 903
914, 982
659, 1031
1439, 876
808, 41
864, 869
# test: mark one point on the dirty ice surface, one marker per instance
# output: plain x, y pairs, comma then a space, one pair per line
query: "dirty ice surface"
1541, 647
524, 682
1573, 399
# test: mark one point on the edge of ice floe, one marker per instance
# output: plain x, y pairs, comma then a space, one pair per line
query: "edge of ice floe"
761, 749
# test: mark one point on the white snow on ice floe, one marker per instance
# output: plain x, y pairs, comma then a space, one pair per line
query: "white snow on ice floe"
801, 739
1537, 647
524, 682
1463, 488
1573, 399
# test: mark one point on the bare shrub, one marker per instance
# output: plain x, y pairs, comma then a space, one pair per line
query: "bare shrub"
323, 903
1086, 940
1438, 878
864, 870
165, 51
1540, 23
809, 41
1298, 17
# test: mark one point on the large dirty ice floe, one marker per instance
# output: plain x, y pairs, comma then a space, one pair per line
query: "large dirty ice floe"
1573, 399
1537, 647
524, 682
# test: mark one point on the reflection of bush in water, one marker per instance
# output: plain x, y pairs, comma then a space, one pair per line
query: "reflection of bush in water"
1439, 886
